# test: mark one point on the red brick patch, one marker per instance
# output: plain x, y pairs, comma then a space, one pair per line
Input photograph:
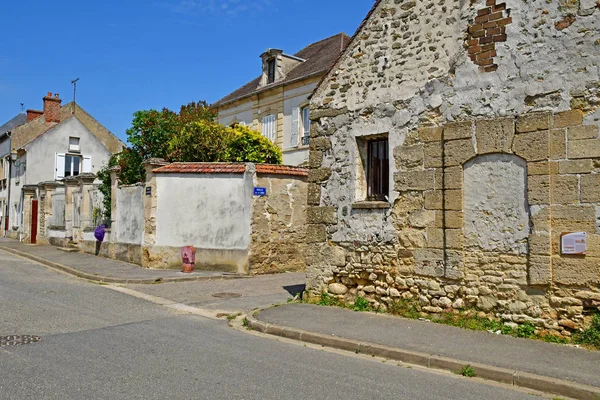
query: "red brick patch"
487, 30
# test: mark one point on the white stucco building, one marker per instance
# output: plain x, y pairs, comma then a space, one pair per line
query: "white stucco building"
277, 102
58, 142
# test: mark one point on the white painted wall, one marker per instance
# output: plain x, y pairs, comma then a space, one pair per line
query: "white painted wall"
207, 211
241, 113
130, 214
42, 151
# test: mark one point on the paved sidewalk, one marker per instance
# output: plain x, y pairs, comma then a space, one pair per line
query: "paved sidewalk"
544, 359
103, 269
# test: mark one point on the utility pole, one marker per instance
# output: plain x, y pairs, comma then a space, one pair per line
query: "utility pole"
74, 83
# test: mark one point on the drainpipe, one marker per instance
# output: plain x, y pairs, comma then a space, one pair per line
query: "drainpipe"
9, 185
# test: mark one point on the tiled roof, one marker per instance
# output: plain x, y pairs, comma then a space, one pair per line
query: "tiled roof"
20, 119
202, 168
319, 57
281, 170
229, 168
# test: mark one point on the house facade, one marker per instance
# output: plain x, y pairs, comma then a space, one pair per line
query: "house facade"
455, 161
276, 103
5, 165
56, 143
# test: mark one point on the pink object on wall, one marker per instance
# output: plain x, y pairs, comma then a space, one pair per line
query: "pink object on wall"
188, 257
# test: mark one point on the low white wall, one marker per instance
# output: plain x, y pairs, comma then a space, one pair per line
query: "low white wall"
207, 211
130, 214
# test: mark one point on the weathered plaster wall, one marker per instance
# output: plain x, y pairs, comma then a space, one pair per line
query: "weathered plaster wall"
495, 203
130, 214
409, 74
278, 225
42, 151
210, 211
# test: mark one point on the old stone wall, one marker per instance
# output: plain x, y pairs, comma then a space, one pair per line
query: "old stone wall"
490, 161
278, 225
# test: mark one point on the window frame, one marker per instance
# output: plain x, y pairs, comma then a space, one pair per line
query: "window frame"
270, 119
377, 169
305, 121
75, 148
80, 167
271, 70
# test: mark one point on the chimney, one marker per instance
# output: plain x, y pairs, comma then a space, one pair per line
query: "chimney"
33, 114
52, 108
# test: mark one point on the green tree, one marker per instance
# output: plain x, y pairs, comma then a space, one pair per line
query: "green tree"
200, 141
248, 145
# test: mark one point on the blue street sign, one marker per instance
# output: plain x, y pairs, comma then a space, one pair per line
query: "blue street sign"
260, 191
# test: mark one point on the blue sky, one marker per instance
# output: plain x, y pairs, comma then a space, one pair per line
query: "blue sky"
142, 54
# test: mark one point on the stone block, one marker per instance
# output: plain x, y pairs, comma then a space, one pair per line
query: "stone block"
458, 130
409, 157
457, 152
542, 168
316, 234
320, 143
319, 175
576, 271
532, 146
590, 188
321, 215
433, 155
314, 194
573, 218
583, 132
593, 242
453, 178
454, 239
540, 217
539, 244
433, 200
558, 144
538, 189
534, 122
421, 219
568, 118
588, 148
453, 200
494, 135
414, 180
565, 189
454, 219
575, 166
540, 270
315, 159
431, 134
435, 238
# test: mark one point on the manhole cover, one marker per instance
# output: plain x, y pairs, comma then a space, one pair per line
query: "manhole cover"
16, 340
227, 295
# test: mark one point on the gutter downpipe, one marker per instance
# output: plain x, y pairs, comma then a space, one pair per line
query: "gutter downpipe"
7, 216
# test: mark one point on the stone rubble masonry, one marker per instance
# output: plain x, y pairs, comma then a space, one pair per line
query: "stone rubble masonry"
432, 262
412, 72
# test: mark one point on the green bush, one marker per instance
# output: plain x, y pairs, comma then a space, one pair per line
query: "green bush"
247, 145
591, 335
361, 304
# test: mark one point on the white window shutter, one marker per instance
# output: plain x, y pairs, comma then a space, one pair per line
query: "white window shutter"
87, 165
295, 126
59, 172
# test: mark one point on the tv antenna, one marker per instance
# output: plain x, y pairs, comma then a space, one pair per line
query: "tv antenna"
22, 107
74, 83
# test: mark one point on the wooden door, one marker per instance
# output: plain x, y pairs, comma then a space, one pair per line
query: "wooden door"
34, 221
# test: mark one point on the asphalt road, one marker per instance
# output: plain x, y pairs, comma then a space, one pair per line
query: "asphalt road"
100, 344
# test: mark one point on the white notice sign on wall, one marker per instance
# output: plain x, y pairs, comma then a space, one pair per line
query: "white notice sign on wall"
574, 243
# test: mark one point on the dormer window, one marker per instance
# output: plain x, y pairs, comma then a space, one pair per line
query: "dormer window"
271, 71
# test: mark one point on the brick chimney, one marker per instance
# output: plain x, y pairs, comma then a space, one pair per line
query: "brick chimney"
52, 108
33, 114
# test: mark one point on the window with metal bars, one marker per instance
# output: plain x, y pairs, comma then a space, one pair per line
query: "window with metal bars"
378, 170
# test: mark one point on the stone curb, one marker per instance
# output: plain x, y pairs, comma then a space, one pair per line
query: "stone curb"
502, 375
106, 279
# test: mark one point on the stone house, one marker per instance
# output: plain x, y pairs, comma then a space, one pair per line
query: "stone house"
56, 143
276, 103
454, 144
5, 165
